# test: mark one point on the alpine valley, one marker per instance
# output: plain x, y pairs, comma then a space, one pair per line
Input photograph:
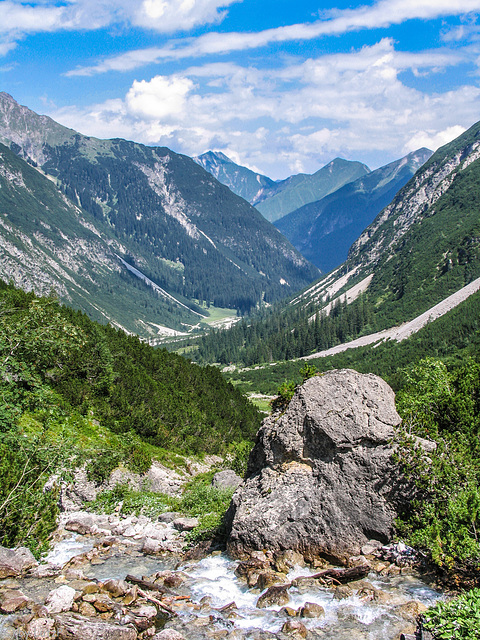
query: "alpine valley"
421, 248
136, 450
141, 237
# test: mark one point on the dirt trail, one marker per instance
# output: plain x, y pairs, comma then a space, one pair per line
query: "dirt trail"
405, 330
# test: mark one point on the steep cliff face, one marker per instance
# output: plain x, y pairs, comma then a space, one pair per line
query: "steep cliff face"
320, 478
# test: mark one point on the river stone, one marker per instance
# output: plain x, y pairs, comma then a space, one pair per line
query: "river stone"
15, 562
185, 524
12, 600
312, 610
321, 479
60, 599
41, 629
276, 595
168, 634
75, 627
295, 628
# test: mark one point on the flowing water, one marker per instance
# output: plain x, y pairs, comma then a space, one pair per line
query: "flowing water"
212, 584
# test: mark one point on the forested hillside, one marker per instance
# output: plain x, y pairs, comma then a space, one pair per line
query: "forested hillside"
168, 236
420, 249
74, 392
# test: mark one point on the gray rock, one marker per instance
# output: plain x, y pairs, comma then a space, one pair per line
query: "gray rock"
226, 479
12, 600
168, 516
15, 562
321, 479
41, 629
168, 634
75, 627
185, 524
60, 599
80, 522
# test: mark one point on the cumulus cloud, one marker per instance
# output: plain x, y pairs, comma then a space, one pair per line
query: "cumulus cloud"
296, 116
433, 139
162, 98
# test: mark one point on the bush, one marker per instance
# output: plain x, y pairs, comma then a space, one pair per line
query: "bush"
458, 619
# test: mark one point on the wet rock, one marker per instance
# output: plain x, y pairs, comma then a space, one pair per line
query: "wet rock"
312, 610
168, 634
226, 479
295, 628
12, 600
410, 610
288, 612
321, 479
251, 569
75, 627
274, 596
41, 629
284, 561
15, 562
185, 524
60, 599
116, 588
342, 591
171, 579
269, 579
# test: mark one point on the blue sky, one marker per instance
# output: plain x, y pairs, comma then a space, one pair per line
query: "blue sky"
281, 86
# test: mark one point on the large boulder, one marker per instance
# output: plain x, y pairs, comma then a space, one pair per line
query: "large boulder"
320, 478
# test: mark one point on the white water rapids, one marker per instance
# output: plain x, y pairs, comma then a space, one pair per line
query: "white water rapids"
211, 584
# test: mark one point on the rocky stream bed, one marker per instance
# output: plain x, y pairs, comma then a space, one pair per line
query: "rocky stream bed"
94, 586
321, 482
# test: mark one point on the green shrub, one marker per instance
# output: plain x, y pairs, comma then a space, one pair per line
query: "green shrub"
458, 619
133, 502
443, 517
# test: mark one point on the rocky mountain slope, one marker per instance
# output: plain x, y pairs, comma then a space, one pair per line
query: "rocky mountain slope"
422, 248
244, 182
174, 232
276, 199
323, 231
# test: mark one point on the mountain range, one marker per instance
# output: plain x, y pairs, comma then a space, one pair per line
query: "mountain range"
324, 230
421, 248
139, 236
276, 199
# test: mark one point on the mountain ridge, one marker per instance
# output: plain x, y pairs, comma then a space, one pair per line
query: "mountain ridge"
168, 217
323, 231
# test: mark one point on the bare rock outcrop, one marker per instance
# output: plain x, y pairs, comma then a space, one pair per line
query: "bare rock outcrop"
320, 479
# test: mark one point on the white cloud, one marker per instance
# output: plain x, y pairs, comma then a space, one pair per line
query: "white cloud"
164, 16
433, 139
379, 15
162, 98
179, 15
294, 117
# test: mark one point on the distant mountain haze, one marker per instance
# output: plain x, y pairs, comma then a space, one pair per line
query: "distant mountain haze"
323, 231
